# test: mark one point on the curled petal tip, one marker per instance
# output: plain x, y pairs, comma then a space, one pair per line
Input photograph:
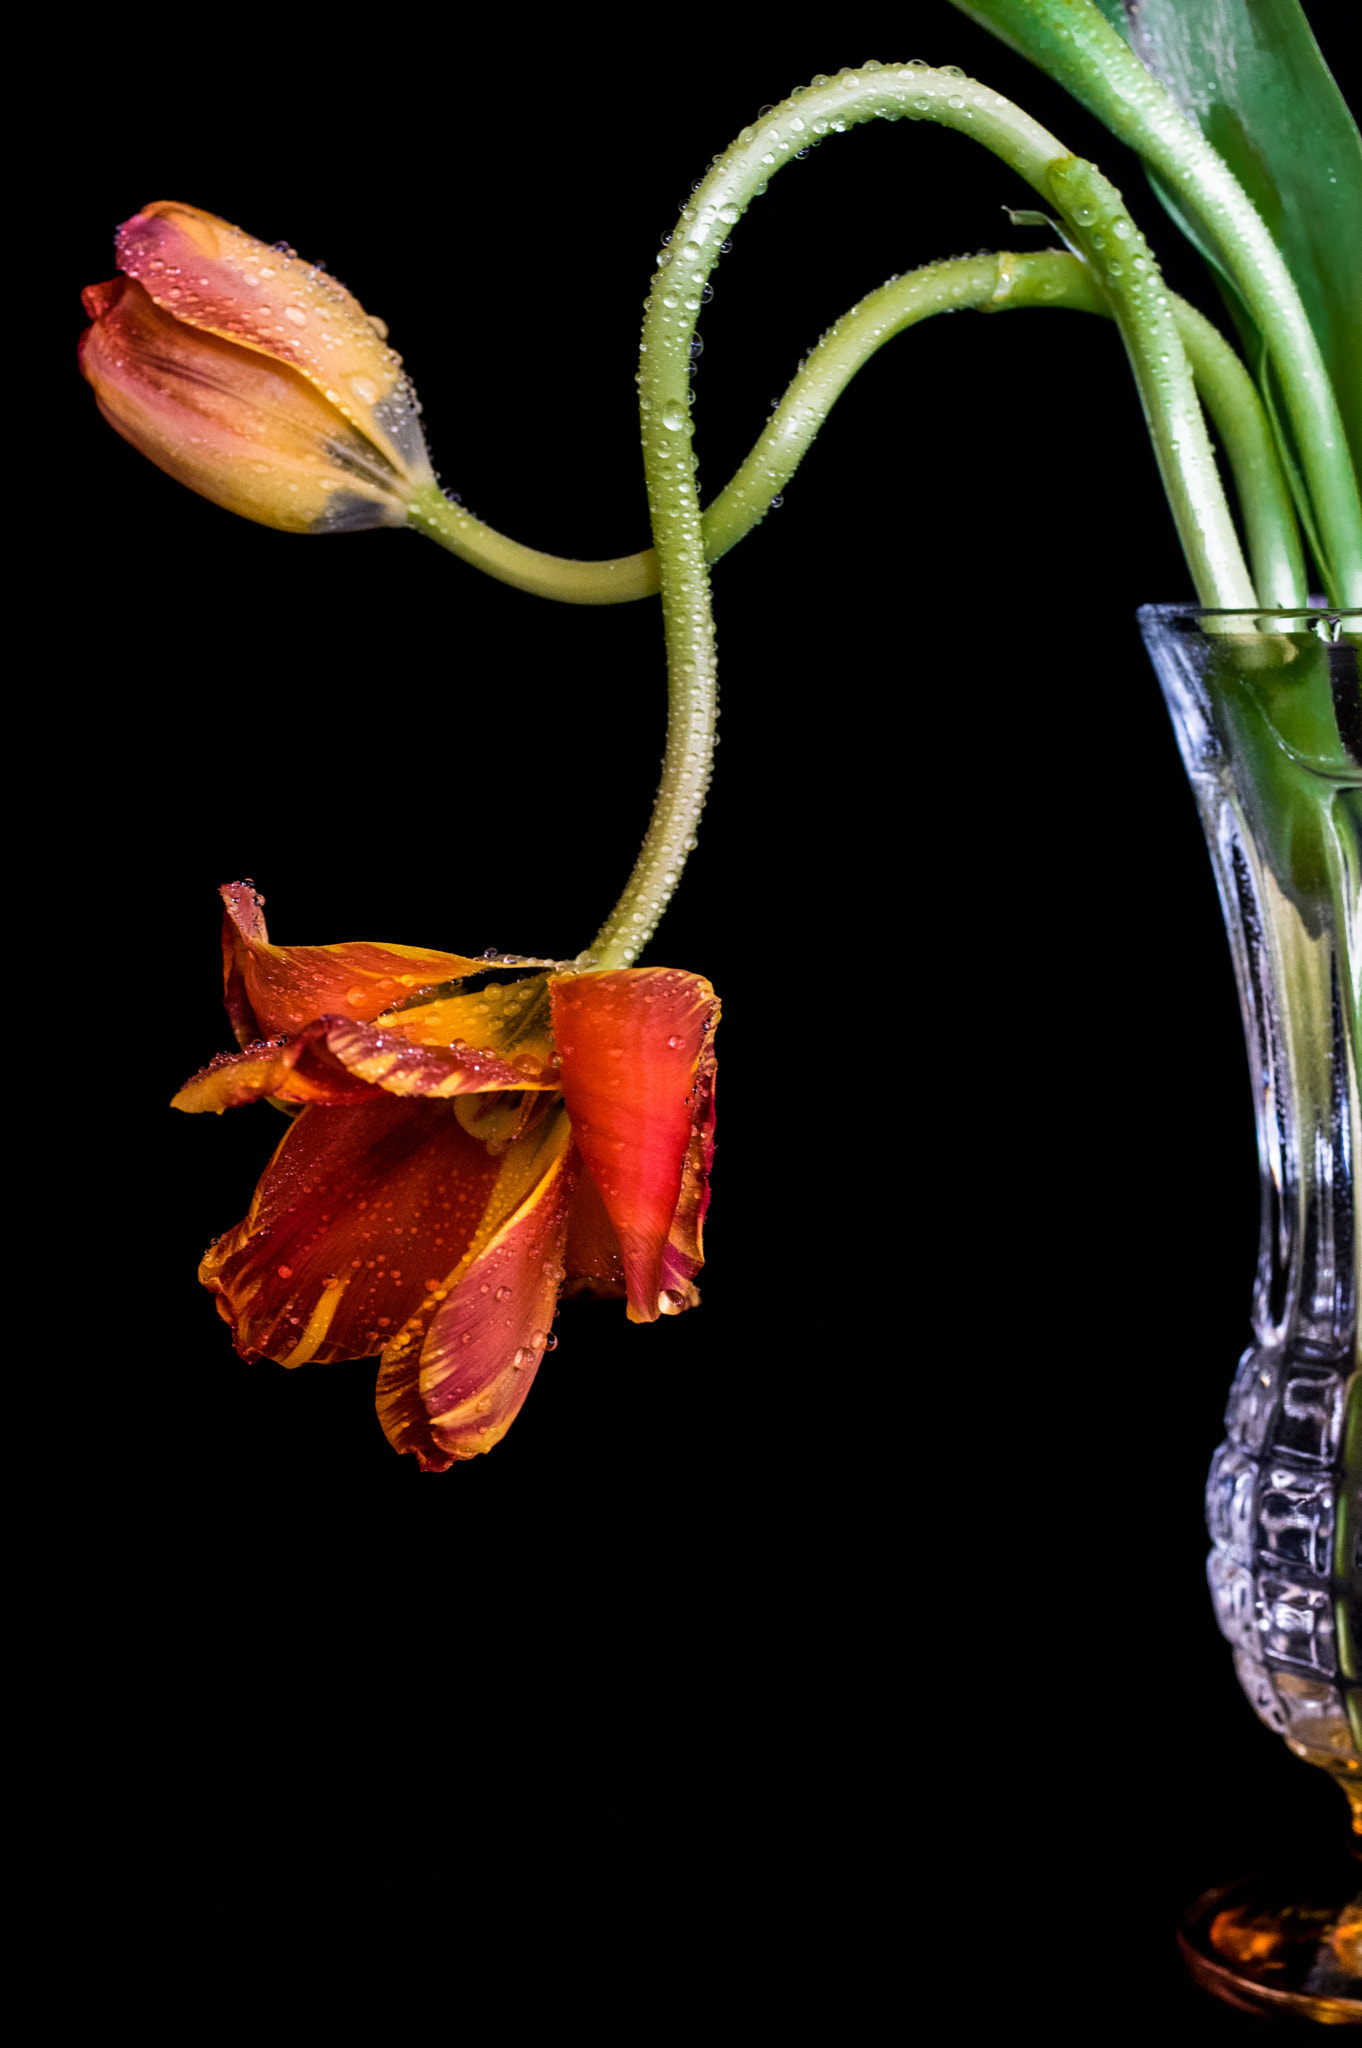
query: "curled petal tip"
99, 299
638, 1078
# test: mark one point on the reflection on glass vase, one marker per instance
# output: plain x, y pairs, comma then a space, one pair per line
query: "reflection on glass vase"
1268, 717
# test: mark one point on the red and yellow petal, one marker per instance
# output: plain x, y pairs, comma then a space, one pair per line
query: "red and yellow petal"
637, 1072
334, 1061
593, 1260
249, 433
357, 1218
214, 278
386, 1057
453, 1379
509, 1019
276, 989
683, 1254
297, 1069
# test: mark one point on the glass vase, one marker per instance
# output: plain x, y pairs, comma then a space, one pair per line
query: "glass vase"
1268, 716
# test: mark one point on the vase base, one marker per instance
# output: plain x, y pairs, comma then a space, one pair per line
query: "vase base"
1274, 1945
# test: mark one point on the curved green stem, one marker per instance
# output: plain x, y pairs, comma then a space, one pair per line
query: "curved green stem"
1121, 258
1003, 283
821, 379
951, 286
1075, 44
1168, 342
987, 284
1229, 395
914, 92
617, 581
1231, 398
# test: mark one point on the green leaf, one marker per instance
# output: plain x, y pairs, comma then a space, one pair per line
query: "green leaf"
1250, 75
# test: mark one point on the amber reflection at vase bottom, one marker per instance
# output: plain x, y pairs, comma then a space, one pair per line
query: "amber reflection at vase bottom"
1281, 1948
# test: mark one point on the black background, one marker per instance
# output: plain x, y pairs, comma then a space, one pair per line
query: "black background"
856, 1621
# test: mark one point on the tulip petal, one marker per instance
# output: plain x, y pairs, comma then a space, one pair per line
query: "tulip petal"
275, 989
453, 1381
388, 1059
593, 1259
300, 1069
636, 1047
250, 433
507, 1018
683, 1254
357, 1218
212, 276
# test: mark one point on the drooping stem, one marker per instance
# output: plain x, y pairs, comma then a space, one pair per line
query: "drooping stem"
617, 581
999, 283
913, 91
951, 286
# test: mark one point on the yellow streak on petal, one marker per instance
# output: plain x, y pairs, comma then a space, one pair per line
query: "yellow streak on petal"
318, 1323
527, 1168
375, 1065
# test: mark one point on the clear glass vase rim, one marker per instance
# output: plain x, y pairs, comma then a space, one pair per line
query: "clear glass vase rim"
1315, 609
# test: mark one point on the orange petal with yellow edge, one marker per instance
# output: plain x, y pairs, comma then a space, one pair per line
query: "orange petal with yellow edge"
637, 1077
454, 1378
214, 277
358, 1217
273, 989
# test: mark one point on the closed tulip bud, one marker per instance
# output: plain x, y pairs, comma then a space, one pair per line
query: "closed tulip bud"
252, 377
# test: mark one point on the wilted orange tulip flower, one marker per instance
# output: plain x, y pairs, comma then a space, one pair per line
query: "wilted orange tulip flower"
252, 377
474, 1139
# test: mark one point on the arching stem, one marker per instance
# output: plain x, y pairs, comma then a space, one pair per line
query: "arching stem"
988, 284
830, 106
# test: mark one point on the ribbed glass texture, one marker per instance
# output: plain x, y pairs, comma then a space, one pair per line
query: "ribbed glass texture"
1268, 717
